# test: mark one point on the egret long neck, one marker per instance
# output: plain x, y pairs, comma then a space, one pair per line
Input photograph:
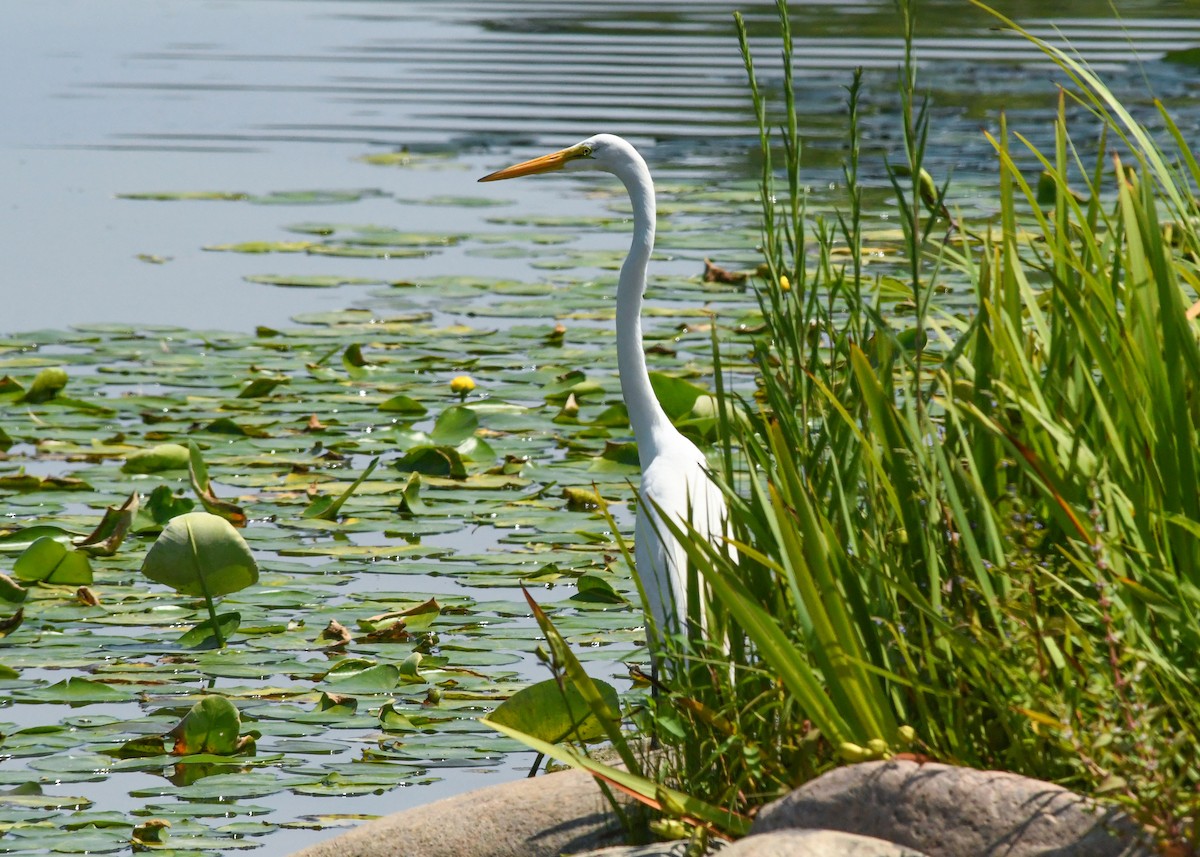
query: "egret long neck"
645, 413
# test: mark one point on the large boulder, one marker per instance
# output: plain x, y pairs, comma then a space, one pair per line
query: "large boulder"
654, 849
539, 817
816, 843
782, 843
949, 811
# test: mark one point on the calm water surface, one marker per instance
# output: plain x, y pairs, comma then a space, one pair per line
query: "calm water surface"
263, 96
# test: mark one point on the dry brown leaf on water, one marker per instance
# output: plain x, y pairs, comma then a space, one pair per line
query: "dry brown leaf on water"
335, 634
8, 624
86, 596
717, 274
393, 633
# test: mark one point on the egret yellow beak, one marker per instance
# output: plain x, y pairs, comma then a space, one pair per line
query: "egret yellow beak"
544, 164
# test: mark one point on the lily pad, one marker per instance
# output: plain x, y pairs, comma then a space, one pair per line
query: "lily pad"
50, 561
554, 712
164, 456
213, 725
201, 554
309, 281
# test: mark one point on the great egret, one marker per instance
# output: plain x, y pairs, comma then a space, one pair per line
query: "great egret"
675, 478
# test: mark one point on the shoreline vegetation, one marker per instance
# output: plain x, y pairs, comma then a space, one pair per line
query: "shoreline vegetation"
973, 539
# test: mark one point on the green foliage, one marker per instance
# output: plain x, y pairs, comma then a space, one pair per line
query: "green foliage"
975, 538
213, 726
447, 449
554, 712
599, 717
164, 456
327, 507
159, 508
46, 385
50, 561
203, 555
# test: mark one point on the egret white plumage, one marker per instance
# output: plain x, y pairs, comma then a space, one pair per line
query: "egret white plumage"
675, 479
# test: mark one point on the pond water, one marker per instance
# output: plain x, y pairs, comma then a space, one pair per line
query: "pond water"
277, 96
291, 116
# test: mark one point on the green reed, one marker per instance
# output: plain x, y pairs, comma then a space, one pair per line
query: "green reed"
977, 539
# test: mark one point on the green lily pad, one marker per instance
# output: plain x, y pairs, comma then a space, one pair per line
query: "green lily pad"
46, 385
50, 561
402, 404
309, 281
201, 554
76, 691
30, 795
213, 725
206, 635
594, 589
19, 540
555, 713
208, 195
164, 456
380, 678
433, 461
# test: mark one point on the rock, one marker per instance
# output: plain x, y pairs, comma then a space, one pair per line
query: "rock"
538, 817
783, 843
949, 811
656, 849
816, 843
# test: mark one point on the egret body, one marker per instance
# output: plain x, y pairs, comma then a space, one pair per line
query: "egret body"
675, 480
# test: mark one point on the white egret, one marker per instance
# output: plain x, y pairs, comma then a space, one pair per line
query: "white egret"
675, 478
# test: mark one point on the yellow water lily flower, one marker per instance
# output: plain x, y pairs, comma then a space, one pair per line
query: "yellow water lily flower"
461, 385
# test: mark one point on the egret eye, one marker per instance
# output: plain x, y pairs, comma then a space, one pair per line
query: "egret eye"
587, 151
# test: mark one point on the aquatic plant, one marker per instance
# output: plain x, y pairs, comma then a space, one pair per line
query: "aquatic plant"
969, 538
201, 554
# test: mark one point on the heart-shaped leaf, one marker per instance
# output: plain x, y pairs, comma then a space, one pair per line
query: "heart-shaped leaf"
49, 561
160, 507
403, 405
48, 384
204, 636
212, 726
554, 712
201, 554
454, 425
433, 461
165, 456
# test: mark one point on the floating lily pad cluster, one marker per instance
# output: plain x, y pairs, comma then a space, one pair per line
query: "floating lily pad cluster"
392, 511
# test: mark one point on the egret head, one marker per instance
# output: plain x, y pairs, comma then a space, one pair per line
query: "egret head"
605, 152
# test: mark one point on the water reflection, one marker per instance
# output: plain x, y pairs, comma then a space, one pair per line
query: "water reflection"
275, 95
428, 73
